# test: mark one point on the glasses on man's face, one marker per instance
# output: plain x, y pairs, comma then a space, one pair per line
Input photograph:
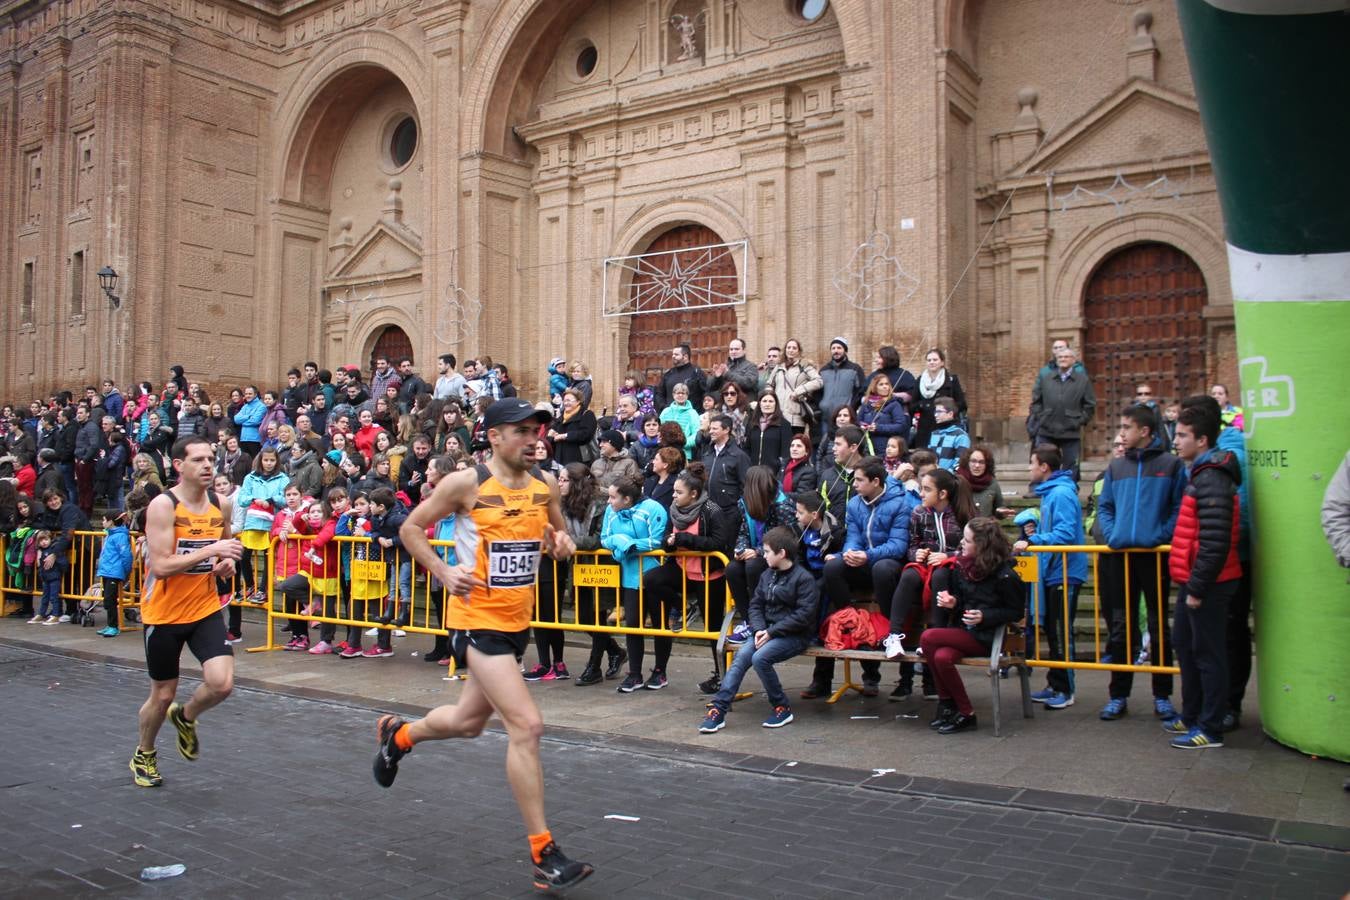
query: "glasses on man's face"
1143, 393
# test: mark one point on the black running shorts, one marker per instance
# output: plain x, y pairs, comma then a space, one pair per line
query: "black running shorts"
164, 645
489, 643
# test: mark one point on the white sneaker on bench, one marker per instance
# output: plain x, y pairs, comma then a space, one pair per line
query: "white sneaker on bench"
894, 645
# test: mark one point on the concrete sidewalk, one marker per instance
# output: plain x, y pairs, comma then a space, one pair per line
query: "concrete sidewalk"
1067, 751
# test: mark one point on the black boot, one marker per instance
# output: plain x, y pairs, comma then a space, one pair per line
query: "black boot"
616, 660
957, 723
945, 710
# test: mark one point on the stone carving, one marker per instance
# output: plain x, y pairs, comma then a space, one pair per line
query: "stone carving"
687, 28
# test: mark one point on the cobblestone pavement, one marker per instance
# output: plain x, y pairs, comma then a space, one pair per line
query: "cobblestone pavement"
281, 804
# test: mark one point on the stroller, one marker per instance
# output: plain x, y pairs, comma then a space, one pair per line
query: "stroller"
90, 605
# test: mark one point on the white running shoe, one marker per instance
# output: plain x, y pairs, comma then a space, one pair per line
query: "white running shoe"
894, 645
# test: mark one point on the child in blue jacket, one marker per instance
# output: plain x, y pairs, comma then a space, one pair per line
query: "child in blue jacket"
633, 526
1061, 524
114, 568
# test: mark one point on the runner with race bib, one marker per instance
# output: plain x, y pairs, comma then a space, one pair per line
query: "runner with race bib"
507, 512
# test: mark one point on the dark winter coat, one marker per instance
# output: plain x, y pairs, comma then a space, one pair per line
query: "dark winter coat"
577, 433
770, 446
1205, 541
924, 407
1062, 408
726, 474
688, 374
1141, 494
785, 603
938, 532
1001, 597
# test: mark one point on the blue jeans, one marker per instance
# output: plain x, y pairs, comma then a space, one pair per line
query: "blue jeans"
400, 576
51, 597
774, 651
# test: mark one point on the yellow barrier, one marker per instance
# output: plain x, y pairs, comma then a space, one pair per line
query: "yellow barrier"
1126, 615
80, 582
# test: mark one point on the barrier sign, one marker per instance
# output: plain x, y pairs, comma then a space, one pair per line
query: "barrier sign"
595, 576
1028, 568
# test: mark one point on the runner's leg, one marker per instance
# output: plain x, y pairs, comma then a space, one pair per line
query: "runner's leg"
217, 684
502, 687
153, 711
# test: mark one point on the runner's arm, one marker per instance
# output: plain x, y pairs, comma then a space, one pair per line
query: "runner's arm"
160, 545
452, 496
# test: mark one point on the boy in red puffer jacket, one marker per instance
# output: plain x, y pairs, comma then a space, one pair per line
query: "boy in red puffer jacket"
1204, 565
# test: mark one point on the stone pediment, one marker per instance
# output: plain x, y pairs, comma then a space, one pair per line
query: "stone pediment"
1140, 122
385, 250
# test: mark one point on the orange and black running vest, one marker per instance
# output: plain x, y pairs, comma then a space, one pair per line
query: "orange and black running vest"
188, 596
503, 536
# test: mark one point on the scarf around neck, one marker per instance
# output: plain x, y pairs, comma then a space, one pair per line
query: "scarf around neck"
977, 483
929, 387
682, 517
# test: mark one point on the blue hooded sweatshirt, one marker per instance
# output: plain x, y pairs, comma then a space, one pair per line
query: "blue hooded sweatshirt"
558, 381
632, 531
1061, 523
1141, 495
114, 560
880, 528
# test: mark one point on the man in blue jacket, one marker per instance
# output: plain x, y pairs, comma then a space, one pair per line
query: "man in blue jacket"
1061, 523
1140, 497
877, 536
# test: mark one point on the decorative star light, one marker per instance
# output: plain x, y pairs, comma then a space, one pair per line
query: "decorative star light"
688, 278
874, 280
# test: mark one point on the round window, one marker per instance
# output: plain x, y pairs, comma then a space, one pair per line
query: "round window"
587, 58
403, 142
811, 10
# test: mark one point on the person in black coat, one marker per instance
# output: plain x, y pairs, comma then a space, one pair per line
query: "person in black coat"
112, 466
767, 434
571, 432
985, 593
799, 475
696, 523
935, 382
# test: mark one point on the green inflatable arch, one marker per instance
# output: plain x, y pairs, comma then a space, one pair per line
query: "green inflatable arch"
1273, 81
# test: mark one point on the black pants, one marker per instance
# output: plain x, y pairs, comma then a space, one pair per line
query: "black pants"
1053, 627
112, 589
632, 618
1201, 637
438, 598
839, 582
1239, 641
664, 584
592, 605
1143, 570
296, 592
743, 577
553, 580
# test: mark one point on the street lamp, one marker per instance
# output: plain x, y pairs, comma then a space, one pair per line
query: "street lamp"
107, 279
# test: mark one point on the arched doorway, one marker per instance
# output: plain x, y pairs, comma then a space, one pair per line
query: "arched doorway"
392, 344
707, 330
1144, 311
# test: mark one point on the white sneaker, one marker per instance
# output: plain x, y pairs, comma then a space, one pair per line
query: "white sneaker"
63, 620
372, 632
399, 632
53, 620
36, 620
894, 645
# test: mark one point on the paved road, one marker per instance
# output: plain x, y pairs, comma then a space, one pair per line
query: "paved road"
281, 804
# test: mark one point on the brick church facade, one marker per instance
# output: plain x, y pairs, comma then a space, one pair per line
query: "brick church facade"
282, 180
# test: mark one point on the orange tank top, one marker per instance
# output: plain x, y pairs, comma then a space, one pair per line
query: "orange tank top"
503, 535
188, 596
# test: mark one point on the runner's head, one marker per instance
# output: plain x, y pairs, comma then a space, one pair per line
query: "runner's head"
512, 426
193, 460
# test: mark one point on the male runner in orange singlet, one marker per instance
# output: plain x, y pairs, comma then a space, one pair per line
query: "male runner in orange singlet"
188, 546
506, 512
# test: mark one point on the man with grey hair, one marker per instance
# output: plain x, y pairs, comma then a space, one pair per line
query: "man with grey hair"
1062, 405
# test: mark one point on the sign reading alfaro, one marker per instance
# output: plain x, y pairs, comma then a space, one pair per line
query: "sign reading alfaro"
1028, 568
591, 575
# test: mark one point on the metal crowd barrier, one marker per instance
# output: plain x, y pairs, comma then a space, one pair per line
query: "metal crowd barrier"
79, 583
1123, 619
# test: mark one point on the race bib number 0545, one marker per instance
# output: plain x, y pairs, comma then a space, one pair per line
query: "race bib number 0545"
187, 545
512, 563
